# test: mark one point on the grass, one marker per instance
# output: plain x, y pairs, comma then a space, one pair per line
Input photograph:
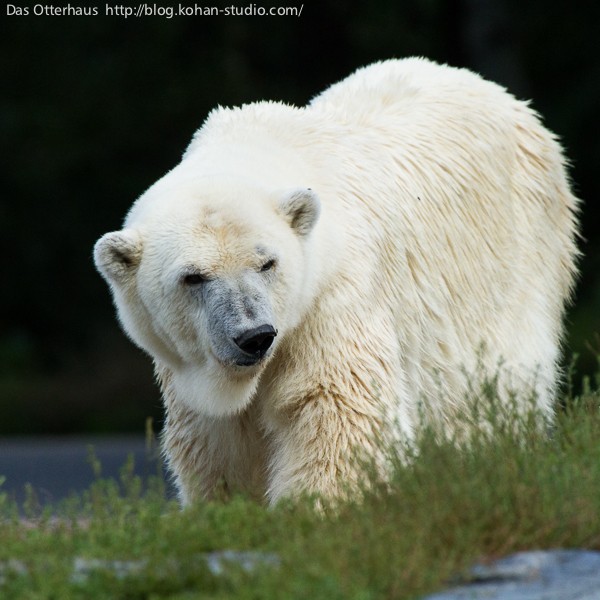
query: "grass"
439, 514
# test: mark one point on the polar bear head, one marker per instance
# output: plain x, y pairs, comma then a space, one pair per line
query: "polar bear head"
208, 278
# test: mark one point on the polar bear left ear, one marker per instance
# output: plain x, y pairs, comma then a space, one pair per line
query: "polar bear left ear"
118, 254
301, 208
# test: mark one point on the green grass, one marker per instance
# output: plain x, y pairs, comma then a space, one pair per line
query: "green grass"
440, 513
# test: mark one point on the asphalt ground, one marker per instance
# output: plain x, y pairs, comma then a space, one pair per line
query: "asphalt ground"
56, 467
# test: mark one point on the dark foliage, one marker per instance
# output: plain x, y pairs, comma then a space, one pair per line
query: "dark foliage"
94, 109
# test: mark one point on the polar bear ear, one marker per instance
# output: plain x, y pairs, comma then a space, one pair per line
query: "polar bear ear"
301, 208
117, 254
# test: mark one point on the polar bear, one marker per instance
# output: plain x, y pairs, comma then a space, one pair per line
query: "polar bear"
310, 281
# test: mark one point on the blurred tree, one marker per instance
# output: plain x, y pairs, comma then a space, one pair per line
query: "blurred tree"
95, 109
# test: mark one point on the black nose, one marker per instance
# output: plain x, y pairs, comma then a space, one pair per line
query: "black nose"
256, 341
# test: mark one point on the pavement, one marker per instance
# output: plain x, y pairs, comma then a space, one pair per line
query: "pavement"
57, 466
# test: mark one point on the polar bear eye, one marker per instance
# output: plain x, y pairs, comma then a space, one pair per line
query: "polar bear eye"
194, 279
268, 265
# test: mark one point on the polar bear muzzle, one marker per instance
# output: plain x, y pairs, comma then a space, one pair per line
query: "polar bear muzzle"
240, 318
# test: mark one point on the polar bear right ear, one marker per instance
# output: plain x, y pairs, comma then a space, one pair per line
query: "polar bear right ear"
301, 208
117, 254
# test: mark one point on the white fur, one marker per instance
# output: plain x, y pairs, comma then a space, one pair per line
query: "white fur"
444, 248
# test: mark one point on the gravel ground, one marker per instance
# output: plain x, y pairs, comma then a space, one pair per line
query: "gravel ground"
541, 575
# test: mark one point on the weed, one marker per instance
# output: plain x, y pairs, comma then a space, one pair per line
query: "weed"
511, 487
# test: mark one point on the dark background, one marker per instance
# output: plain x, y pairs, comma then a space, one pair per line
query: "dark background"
95, 109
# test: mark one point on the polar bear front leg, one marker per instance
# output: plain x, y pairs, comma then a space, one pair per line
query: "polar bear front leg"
319, 446
211, 457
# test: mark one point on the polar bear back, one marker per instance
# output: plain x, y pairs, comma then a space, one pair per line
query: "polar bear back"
472, 192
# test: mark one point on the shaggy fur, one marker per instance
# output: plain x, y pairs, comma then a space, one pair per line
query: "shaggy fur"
423, 230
